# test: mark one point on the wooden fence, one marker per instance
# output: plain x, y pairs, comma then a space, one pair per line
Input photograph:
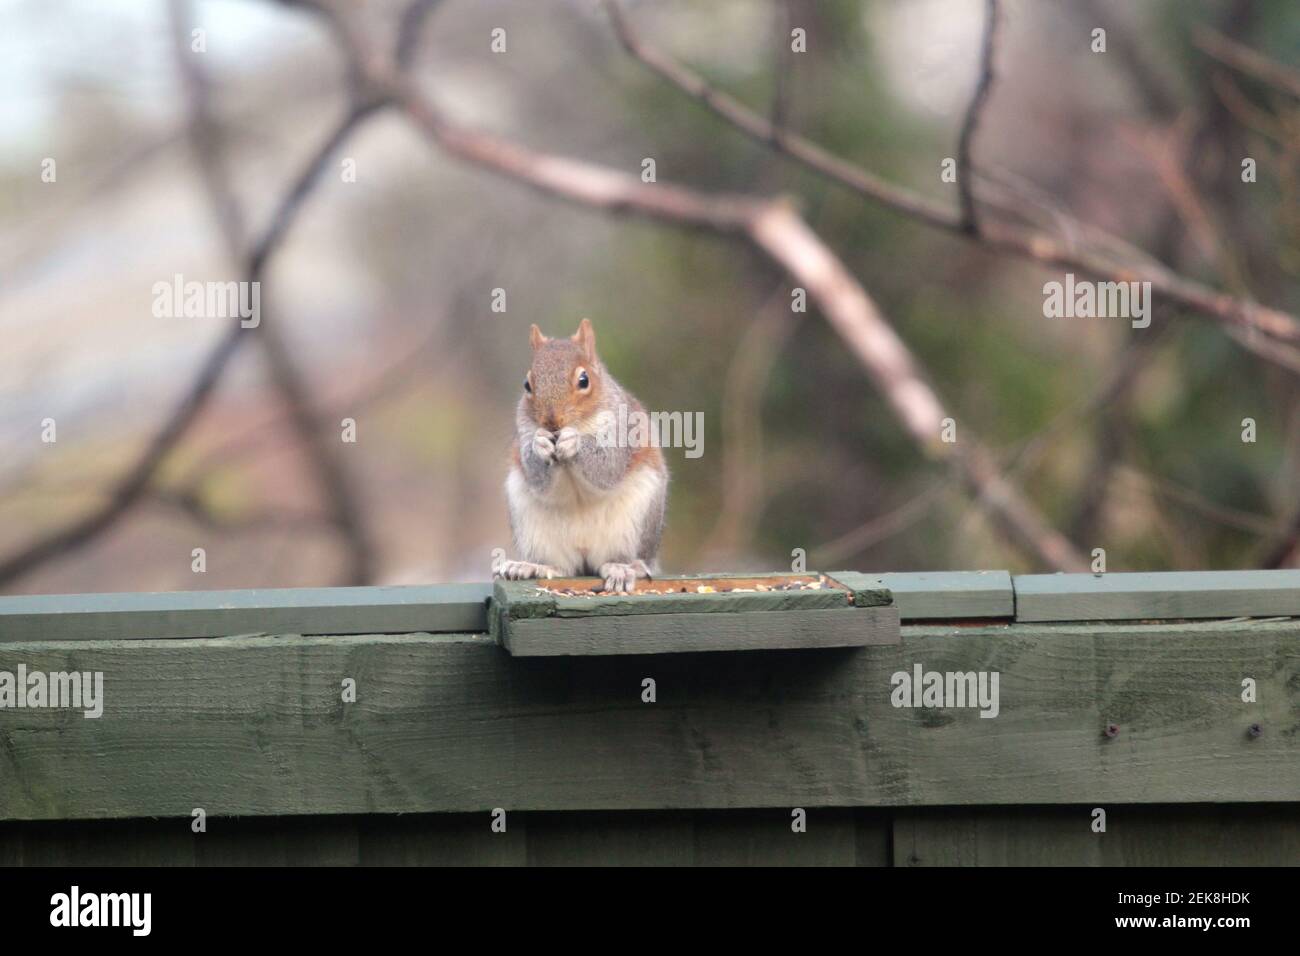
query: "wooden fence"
389, 725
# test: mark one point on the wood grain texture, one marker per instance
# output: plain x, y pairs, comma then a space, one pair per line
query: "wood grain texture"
868, 589
364, 610
943, 595
449, 723
1155, 595
522, 599
1234, 835
681, 633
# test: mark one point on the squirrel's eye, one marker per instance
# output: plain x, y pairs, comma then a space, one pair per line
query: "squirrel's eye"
528, 386
583, 382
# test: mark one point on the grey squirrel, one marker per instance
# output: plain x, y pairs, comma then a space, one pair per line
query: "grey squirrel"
580, 503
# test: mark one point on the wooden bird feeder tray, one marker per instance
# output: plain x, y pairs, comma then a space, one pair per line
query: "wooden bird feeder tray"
672, 614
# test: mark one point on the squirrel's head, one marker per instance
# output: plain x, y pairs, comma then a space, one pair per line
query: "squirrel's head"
564, 383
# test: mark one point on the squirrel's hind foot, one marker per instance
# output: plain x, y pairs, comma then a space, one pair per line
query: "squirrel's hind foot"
622, 577
523, 570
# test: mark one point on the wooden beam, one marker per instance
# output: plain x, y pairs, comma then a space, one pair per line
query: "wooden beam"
533, 619
539, 599
365, 610
945, 595
449, 723
1146, 596
680, 633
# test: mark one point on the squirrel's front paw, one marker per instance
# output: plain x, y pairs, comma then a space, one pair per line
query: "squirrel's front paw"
566, 443
622, 577
544, 444
523, 570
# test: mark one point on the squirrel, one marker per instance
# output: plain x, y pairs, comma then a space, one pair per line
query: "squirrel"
580, 503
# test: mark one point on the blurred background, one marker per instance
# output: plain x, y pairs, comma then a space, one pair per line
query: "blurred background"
380, 293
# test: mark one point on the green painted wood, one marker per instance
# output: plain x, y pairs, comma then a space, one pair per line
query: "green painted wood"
943, 595
681, 633
363, 610
529, 599
1236, 835
448, 723
868, 589
529, 620
522, 599
1143, 596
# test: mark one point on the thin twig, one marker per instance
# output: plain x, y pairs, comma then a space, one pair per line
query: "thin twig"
879, 527
781, 62
1279, 552
974, 112
1245, 60
192, 503
742, 432
1249, 522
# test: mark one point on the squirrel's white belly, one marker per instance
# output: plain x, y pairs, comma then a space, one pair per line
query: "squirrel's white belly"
573, 525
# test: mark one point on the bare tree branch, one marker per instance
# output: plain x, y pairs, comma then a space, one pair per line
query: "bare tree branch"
1264, 323
408, 31
781, 27
1282, 549
131, 488
128, 490
1245, 60
761, 129
742, 428
1249, 522
974, 112
878, 527
191, 503
336, 482
393, 379
1024, 456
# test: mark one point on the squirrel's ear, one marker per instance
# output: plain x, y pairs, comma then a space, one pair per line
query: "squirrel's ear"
586, 339
535, 336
